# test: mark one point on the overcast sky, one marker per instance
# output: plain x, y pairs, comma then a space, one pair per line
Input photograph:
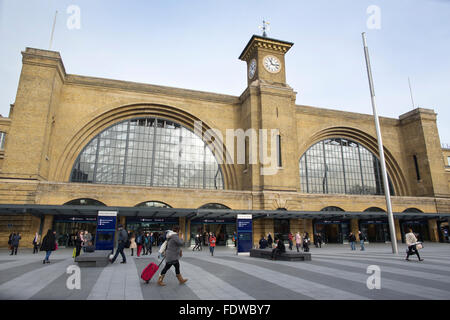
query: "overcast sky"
195, 45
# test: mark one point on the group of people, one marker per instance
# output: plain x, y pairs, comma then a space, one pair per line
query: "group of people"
301, 242
13, 242
143, 242
172, 250
211, 242
352, 240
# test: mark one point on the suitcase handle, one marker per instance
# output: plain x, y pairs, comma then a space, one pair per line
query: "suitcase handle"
161, 262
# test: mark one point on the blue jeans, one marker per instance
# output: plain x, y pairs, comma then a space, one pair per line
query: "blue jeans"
47, 255
362, 245
212, 250
352, 245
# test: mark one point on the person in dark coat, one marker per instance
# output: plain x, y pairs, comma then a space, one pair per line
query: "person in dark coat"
306, 241
269, 240
36, 240
263, 243
15, 243
78, 243
48, 245
352, 240
172, 255
121, 243
319, 240
279, 249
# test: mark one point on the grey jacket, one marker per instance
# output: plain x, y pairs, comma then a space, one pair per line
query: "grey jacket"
173, 248
123, 236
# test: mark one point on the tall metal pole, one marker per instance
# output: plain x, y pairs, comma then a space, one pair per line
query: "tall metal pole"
380, 147
53, 30
410, 91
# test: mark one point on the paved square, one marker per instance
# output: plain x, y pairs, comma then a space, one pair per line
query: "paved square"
335, 272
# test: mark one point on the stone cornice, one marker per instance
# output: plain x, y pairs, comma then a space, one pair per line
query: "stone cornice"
265, 43
338, 113
150, 88
44, 58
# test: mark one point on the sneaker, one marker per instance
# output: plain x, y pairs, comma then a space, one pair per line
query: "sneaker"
123, 262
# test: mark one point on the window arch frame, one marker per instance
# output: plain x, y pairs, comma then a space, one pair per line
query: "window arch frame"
218, 178
362, 187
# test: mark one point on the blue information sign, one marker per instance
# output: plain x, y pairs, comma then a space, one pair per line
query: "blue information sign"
106, 229
244, 228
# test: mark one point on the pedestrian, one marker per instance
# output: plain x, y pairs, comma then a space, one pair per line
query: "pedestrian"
48, 245
413, 245
78, 243
121, 243
197, 242
319, 240
172, 254
15, 243
212, 243
139, 243
352, 240
279, 249
146, 244
298, 241
235, 238
290, 238
306, 242
11, 235
269, 240
133, 244
205, 236
36, 240
362, 238
263, 243
315, 240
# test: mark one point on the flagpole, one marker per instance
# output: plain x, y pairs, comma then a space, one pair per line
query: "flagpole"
53, 30
380, 147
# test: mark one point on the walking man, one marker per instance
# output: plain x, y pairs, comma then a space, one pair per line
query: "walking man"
122, 240
15, 243
362, 238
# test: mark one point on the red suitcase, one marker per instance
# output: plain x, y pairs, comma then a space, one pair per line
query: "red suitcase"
149, 271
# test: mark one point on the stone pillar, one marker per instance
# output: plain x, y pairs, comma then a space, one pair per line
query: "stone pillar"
433, 230
48, 224
182, 225
354, 227
188, 231
398, 230
258, 231
308, 227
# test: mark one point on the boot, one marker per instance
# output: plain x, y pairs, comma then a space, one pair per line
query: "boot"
160, 280
180, 279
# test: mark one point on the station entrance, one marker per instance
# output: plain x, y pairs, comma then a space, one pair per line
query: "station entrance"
332, 231
222, 228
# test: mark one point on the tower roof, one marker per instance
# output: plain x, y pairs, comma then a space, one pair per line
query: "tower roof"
264, 42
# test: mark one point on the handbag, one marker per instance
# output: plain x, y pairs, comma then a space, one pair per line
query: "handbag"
56, 246
181, 253
419, 246
74, 252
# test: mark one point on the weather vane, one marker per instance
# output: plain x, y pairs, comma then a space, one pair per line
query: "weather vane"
265, 27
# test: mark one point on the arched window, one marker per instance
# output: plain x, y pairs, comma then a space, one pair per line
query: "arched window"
148, 152
153, 204
84, 202
343, 166
331, 208
413, 210
374, 209
213, 206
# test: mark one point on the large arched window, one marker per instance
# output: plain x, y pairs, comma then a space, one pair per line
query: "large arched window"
153, 204
343, 166
148, 152
84, 202
214, 206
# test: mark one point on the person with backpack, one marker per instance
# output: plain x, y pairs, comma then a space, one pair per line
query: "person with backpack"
172, 255
139, 243
121, 244
279, 249
48, 245
362, 238
263, 243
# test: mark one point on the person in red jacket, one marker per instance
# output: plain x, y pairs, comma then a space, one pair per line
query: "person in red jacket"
212, 243
290, 240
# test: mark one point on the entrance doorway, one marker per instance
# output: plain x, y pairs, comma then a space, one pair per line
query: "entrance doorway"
223, 229
419, 227
375, 231
332, 231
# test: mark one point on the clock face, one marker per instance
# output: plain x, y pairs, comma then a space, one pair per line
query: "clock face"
272, 64
252, 69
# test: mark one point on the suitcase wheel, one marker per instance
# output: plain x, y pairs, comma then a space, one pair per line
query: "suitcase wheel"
147, 281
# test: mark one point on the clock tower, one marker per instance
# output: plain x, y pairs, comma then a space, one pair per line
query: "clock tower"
268, 107
265, 59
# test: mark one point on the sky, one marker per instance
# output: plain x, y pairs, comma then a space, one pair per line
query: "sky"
195, 44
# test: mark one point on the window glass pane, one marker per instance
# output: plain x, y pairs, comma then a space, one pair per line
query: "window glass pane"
148, 152
342, 166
